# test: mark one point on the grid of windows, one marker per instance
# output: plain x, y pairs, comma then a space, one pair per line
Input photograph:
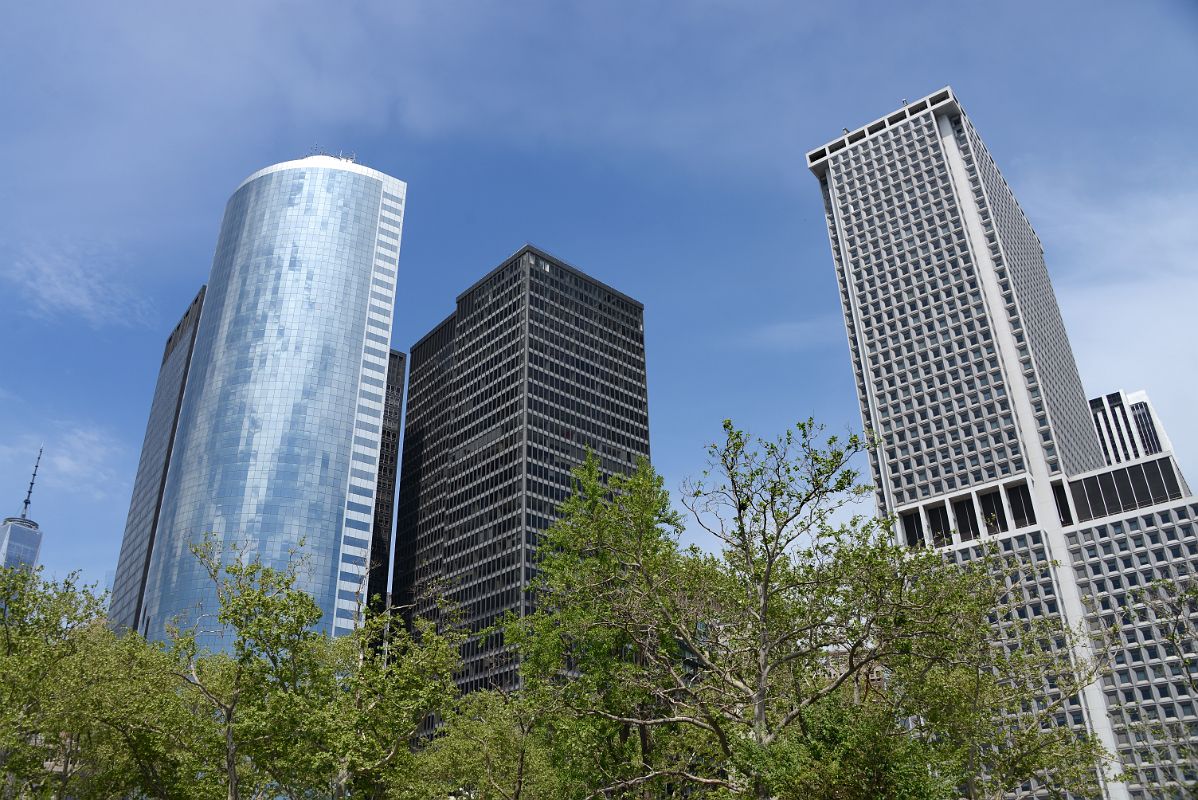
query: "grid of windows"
1150, 689
129, 583
1045, 357
929, 377
418, 532
538, 364
1032, 585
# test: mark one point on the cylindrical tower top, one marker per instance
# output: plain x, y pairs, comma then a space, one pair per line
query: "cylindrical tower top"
326, 162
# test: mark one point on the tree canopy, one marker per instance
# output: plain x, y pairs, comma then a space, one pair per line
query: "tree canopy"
804, 655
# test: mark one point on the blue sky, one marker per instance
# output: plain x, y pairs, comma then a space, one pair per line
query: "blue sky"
655, 145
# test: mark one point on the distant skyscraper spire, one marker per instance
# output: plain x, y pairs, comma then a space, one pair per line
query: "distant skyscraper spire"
20, 537
29, 494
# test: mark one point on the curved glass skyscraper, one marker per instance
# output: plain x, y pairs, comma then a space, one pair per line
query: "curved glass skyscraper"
278, 437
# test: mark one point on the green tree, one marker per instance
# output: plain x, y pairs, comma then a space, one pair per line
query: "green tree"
300, 714
501, 745
286, 712
390, 681
83, 713
806, 634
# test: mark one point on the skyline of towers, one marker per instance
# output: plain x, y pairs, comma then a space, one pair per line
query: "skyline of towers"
278, 406
965, 372
538, 363
962, 363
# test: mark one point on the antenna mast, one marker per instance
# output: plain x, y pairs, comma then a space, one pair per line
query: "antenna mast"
29, 494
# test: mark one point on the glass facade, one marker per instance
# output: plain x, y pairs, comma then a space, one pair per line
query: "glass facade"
129, 583
20, 541
277, 448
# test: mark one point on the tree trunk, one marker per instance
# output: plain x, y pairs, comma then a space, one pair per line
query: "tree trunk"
231, 759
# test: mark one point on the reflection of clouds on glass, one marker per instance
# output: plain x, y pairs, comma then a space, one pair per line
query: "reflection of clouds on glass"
279, 421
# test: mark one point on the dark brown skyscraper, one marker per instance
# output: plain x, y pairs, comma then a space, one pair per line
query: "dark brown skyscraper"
539, 363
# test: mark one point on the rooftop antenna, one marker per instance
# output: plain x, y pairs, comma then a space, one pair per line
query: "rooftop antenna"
29, 494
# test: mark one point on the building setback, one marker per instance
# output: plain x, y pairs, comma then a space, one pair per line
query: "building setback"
1127, 427
278, 445
965, 372
129, 582
538, 364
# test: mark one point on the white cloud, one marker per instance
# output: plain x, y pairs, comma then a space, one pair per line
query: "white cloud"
80, 461
61, 281
1114, 233
1124, 261
87, 460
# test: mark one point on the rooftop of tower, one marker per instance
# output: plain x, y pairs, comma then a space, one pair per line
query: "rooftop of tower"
534, 250
940, 98
325, 161
568, 267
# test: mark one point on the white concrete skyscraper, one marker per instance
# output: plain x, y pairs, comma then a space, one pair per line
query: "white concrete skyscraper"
965, 372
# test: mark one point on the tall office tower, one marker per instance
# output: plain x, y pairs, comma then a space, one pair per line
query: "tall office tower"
1128, 427
20, 537
538, 364
277, 446
129, 581
964, 370
384, 505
